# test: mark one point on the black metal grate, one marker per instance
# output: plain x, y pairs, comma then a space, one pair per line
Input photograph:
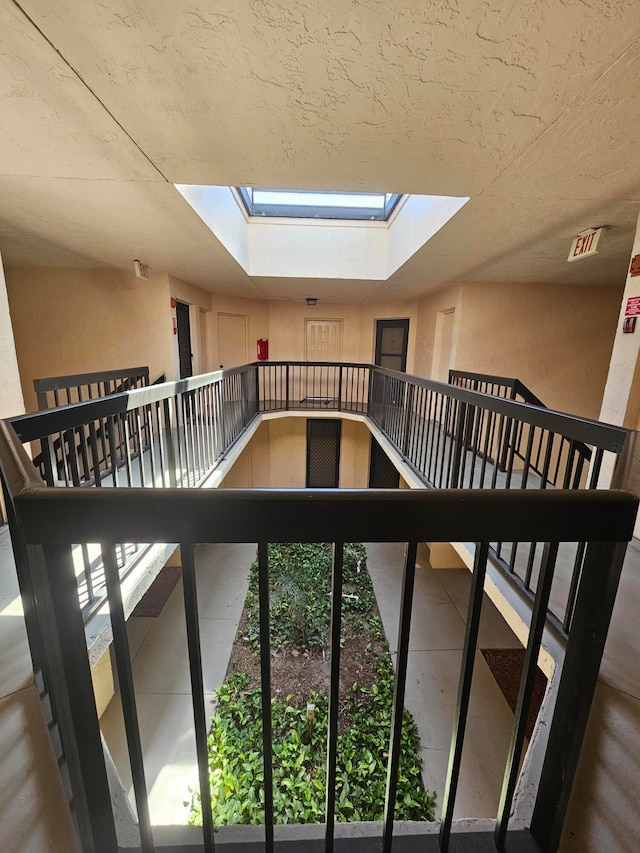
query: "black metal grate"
323, 454
382, 472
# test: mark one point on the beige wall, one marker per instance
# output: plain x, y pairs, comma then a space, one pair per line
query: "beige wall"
11, 399
557, 340
276, 456
428, 308
257, 314
355, 450
76, 321
287, 328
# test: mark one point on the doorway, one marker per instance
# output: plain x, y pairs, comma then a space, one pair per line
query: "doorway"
185, 355
323, 453
383, 474
323, 340
392, 338
232, 340
443, 345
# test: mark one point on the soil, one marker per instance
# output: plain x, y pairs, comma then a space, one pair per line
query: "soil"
297, 673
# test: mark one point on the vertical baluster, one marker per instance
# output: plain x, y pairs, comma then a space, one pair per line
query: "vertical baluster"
525, 692
334, 693
152, 451
404, 628
197, 689
127, 693
265, 681
474, 610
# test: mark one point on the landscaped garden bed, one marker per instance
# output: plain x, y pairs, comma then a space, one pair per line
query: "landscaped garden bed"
300, 604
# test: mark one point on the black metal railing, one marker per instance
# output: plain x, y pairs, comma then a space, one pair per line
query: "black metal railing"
164, 435
55, 391
47, 521
514, 434
174, 434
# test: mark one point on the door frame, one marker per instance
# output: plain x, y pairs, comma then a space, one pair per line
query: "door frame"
337, 320
187, 313
394, 323
246, 333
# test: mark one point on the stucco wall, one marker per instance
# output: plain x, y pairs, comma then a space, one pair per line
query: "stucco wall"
257, 313
427, 315
287, 328
11, 399
557, 341
276, 456
76, 321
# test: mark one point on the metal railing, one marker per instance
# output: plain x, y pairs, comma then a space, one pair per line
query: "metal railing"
55, 391
511, 389
164, 435
47, 521
174, 434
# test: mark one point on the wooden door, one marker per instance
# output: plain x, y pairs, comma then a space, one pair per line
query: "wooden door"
323, 340
232, 340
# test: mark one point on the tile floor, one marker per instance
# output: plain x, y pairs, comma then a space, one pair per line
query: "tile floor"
34, 813
161, 677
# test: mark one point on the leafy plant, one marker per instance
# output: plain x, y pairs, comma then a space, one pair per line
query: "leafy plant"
300, 607
299, 758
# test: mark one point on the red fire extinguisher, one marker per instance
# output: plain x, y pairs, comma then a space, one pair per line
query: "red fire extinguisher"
263, 349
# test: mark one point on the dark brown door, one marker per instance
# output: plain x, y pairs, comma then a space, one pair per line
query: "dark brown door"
323, 453
392, 337
184, 340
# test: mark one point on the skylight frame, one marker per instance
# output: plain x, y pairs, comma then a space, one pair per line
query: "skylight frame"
288, 210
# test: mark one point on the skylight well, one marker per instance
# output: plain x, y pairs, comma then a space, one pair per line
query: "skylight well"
318, 204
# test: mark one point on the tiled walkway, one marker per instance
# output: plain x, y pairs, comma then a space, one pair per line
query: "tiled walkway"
161, 676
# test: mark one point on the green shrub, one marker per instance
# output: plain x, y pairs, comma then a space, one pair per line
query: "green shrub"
299, 758
300, 610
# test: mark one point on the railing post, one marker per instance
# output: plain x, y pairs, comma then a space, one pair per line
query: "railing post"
168, 441
340, 389
459, 446
72, 691
591, 618
286, 380
504, 450
408, 418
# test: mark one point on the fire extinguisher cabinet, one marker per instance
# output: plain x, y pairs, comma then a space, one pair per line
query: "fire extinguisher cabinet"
263, 349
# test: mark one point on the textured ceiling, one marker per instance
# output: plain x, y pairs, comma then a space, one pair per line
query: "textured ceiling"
528, 107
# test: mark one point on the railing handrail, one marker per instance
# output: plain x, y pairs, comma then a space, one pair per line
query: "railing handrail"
505, 381
39, 424
35, 425
62, 516
60, 383
516, 385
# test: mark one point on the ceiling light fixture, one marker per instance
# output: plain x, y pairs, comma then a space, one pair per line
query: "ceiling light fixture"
311, 300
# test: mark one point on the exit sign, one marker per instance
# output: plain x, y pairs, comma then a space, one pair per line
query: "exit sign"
585, 244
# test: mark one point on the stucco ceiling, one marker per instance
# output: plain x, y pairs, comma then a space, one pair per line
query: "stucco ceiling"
527, 106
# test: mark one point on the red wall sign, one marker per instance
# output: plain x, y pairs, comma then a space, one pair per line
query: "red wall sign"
633, 307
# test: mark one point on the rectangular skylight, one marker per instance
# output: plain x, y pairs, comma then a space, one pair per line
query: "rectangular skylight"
319, 204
